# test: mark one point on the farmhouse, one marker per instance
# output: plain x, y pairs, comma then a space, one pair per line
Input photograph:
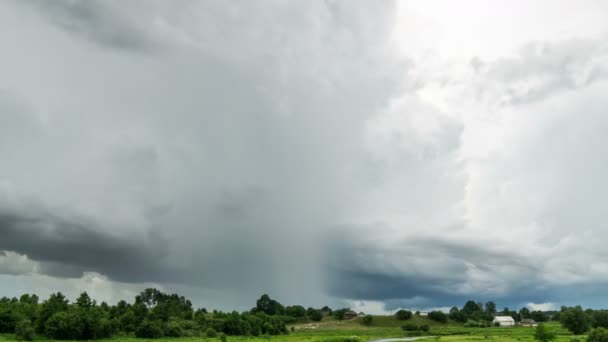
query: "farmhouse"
528, 322
504, 321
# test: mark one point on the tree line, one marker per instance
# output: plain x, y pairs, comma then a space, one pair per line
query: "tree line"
153, 314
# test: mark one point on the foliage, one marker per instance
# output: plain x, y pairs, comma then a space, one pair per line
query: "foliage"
268, 306
367, 320
316, 315
211, 333
542, 334
438, 316
598, 335
24, 331
575, 320
403, 315
149, 329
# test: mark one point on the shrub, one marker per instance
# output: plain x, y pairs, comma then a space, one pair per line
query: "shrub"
425, 327
410, 327
598, 335
149, 329
542, 334
223, 337
211, 333
316, 315
173, 329
438, 316
24, 331
367, 320
403, 315
65, 325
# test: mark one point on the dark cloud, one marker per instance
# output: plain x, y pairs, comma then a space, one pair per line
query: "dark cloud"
68, 248
99, 22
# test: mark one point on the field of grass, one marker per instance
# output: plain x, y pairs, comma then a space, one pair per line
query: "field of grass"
382, 327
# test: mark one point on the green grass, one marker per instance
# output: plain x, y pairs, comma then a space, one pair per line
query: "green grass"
330, 330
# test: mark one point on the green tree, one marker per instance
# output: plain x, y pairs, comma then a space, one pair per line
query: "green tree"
524, 313
491, 308
457, 315
84, 301
438, 316
403, 315
316, 315
598, 335
269, 306
600, 319
542, 334
575, 320
56, 303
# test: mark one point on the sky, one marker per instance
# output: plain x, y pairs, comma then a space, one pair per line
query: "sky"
376, 155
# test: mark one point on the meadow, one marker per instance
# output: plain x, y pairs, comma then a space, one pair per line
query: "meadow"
330, 330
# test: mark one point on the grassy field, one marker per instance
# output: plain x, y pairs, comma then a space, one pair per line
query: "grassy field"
382, 327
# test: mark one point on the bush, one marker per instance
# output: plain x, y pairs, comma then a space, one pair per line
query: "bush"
403, 315
24, 331
598, 335
410, 327
438, 316
223, 337
173, 329
149, 329
65, 325
211, 333
542, 334
368, 319
424, 327
316, 315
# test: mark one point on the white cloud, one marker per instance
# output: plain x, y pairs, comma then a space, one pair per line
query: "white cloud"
542, 306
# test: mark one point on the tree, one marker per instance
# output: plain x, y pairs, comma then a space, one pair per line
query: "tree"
55, 303
316, 315
296, 311
403, 315
84, 301
491, 308
539, 316
438, 316
470, 308
269, 306
524, 313
575, 320
457, 315
542, 334
598, 335
600, 319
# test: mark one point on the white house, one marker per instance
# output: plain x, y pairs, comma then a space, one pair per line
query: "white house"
504, 321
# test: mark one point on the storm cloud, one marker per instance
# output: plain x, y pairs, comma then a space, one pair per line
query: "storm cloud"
325, 152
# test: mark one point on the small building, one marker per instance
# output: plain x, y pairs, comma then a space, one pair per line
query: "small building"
528, 322
504, 321
361, 314
350, 314
424, 313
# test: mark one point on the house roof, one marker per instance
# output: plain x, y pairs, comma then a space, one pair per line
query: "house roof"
528, 320
504, 319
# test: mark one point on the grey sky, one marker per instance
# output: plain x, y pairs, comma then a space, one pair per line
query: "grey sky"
325, 152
